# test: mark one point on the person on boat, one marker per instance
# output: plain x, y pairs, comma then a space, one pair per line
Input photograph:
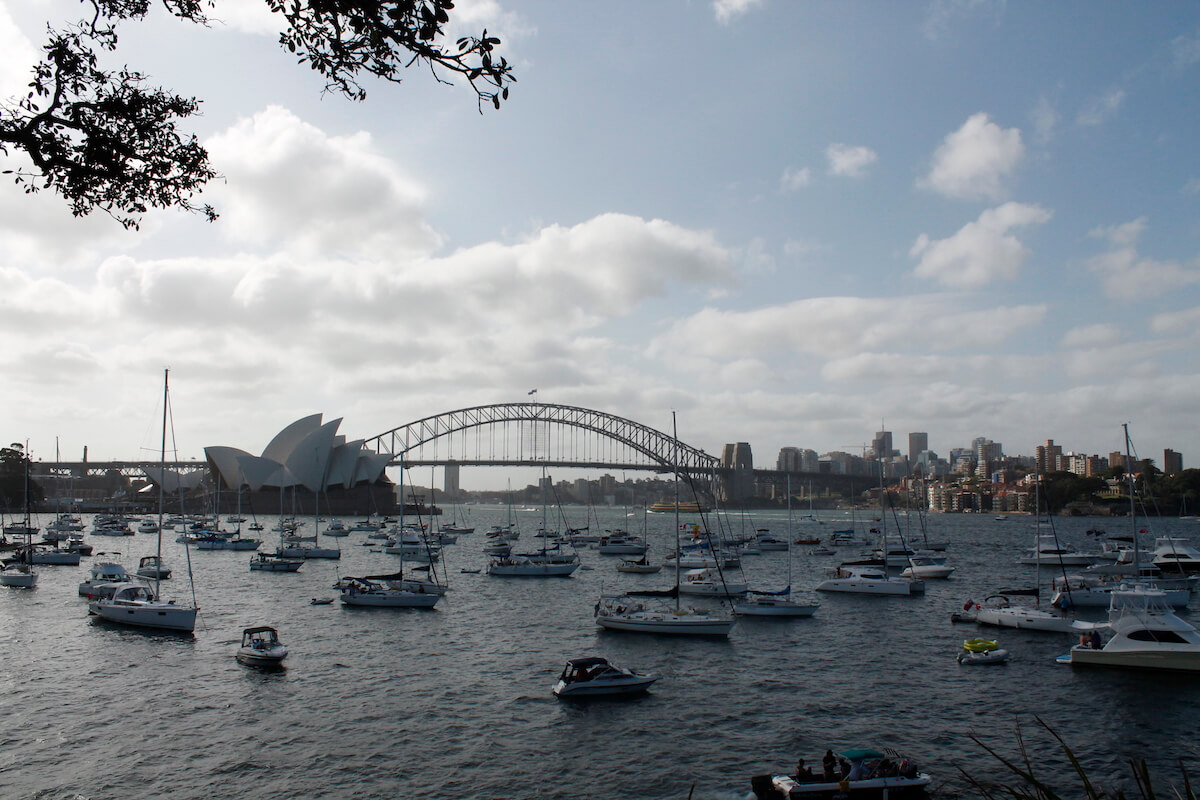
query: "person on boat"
1094, 640
844, 767
829, 766
803, 773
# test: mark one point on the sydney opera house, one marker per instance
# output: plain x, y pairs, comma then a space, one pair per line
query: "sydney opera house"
307, 467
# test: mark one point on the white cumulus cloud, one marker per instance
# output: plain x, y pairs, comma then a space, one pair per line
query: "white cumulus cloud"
1125, 273
973, 162
727, 10
850, 161
795, 178
980, 252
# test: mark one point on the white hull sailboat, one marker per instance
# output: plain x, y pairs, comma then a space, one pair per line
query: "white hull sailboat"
777, 604
19, 572
627, 613
139, 605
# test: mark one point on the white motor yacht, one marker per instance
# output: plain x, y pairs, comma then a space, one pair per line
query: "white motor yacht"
18, 574
1146, 634
1048, 552
153, 567
104, 578
595, 677
1174, 555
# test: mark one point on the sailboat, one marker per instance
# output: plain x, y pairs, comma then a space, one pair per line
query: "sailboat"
868, 579
549, 562
19, 572
139, 605
628, 613
998, 609
777, 604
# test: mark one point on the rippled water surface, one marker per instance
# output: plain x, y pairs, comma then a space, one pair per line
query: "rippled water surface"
456, 702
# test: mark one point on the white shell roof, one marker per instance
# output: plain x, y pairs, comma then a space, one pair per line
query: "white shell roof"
307, 452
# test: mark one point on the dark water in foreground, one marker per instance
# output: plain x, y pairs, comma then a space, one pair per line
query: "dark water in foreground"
456, 702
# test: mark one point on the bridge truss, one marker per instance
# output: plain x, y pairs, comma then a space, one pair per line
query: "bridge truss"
534, 434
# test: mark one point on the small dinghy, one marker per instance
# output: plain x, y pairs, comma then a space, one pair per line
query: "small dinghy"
320, 601
982, 651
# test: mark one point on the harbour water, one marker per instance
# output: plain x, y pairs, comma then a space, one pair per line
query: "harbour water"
456, 702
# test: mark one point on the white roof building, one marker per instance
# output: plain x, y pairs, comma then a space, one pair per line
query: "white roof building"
306, 453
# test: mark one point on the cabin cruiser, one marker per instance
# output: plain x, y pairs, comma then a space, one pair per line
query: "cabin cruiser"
104, 578
1175, 555
622, 544
261, 647
595, 677
1146, 634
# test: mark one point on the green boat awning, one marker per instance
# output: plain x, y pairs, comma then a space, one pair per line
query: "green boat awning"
859, 753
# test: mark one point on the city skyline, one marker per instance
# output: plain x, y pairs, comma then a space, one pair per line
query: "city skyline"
944, 217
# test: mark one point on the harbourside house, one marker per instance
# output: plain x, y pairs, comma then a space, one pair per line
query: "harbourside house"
306, 467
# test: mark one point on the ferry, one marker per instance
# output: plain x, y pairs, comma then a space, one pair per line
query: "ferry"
685, 507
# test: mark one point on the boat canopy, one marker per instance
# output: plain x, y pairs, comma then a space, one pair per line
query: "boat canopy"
859, 753
586, 662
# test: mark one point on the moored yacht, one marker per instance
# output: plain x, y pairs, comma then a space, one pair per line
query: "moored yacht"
1146, 634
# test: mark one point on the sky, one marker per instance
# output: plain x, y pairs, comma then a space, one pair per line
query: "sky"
789, 222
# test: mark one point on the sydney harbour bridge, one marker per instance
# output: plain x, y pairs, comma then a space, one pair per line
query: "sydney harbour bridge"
532, 434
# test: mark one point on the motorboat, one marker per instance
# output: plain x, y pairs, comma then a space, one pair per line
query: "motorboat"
710, 583
596, 677
626, 613
337, 528
767, 542
869, 580
135, 604
153, 567
978, 652
368, 593
103, 579
926, 567
147, 526
1175, 555
272, 562
1146, 634
261, 647
290, 551
873, 774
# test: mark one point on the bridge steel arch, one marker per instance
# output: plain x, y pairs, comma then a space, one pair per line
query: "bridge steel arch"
659, 449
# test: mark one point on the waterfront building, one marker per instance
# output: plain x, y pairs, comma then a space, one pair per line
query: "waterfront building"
1172, 462
1048, 457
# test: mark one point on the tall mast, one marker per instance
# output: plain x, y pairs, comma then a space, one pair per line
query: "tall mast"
1137, 566
675, 458
162, 478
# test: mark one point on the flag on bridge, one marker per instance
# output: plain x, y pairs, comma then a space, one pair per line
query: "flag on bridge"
533, 391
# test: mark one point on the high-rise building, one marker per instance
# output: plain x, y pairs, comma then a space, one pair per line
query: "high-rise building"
882, 445
788, 460
1049, 457
1172, 462
917, 444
